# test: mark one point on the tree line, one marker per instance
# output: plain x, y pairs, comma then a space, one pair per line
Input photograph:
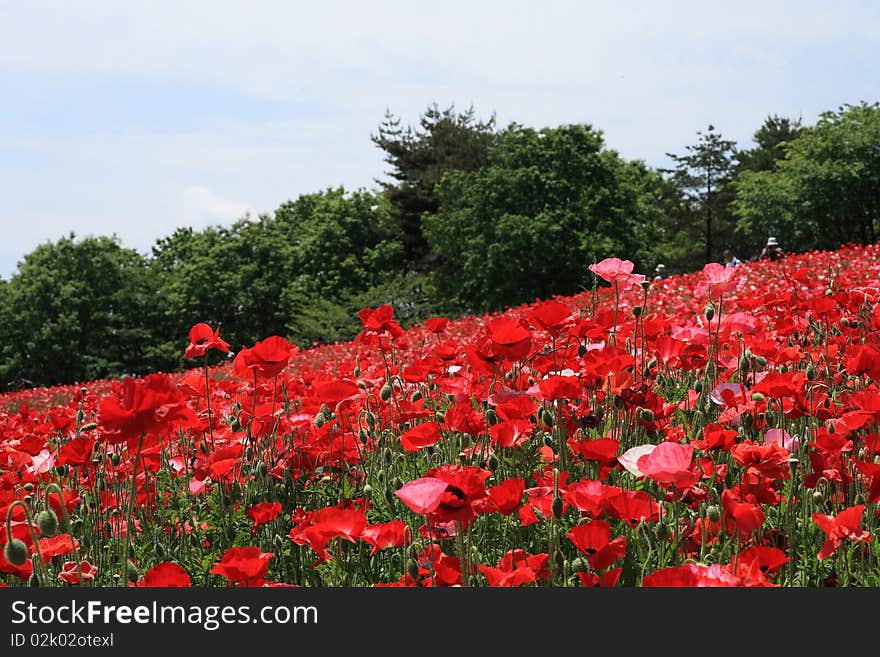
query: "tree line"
471, 218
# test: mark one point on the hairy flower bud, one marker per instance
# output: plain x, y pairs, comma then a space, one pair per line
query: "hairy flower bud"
16, 552
47, 521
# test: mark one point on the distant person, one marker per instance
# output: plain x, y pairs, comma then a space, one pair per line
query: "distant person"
731, 260
772, 251
660, 272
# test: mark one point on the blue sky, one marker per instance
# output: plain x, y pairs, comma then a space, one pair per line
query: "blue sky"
137, 117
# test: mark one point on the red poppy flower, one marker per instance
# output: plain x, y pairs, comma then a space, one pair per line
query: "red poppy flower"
243, 565
263, 513
153, 404
329, 523
718, 278
420, 436
464, 420
845, 525
560, 387
593, 538
715, 436
510, 433
394, 533
517, 567
378, 323
692, 575
77, 451
265, 359
509, 338
745, 516
436, 324
670, 463
608, 579
754, 564
165, 575
56, 546
202, 339
70, 574
768, 460
503, 498
462, 486
617, 272
552, 316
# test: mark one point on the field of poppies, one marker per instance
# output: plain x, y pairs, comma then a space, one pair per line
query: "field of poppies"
712, 429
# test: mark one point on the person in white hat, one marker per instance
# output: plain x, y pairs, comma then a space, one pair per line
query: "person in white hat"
772, 251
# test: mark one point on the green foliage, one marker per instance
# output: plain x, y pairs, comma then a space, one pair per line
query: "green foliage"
547, 204
770, 142
445, 140
701, 178
74, 311
825, 191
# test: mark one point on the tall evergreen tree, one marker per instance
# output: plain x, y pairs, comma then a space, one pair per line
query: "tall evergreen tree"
701, 177
444, 140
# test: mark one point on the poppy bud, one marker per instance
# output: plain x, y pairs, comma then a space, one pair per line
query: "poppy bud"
818, 498
262, 468
131, 572
698, 386
29, 487
61, 470
549, 442
47, 521
547, 417
579, 565
416, 396
557, 507
364, 436
357, 371
16, 552
462, 458
387, 455
326, 479
380, 476
367, 491
361, 384
709, 313
412, 568
319, 420
637, 311
646, 415
810, 372
89, 426
829, 426
34, 581
158, 549
758, 397
661, 531
761, 362
397, 483
713, 513
768, 416
743, 364
492, 462
582, 350
385, 392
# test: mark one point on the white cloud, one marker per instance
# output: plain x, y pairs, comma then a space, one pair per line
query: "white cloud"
204, 206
